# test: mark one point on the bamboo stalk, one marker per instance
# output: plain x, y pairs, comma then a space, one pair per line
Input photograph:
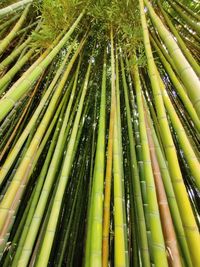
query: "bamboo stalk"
7, 40
12, 155
10, 98
195, 26
137, 195
158, 246
20, 179
187, 216
167, 223
182, 45
52, 223
178, 86
98, 183
186, 73
14, 7
170, 194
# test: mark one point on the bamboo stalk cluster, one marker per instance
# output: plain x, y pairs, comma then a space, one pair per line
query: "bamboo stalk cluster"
100, 136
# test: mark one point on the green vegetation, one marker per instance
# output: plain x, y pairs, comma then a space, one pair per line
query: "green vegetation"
99, 133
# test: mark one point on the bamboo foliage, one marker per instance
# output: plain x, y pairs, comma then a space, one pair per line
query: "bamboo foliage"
99, 133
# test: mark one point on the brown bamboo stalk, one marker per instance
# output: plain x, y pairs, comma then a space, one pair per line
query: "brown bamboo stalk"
173, 255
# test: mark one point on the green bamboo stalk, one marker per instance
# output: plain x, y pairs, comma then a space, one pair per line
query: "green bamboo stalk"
186, 73
120, 238
188, 10
8, 39
9, 10
118, 111
9, 59
170, 194
63, 246
187, 216
50, 177
98, 183
13, 154
163, 50
195, 26
178, 86
52, 223
10, 98
8, 22
190, 155
142, 239
182, 45
108, 178
158, 246
7, 78
174, 258
21, 176
39, 183
25, 30
41, 180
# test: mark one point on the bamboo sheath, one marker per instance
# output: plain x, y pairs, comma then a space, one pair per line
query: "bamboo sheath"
190, 227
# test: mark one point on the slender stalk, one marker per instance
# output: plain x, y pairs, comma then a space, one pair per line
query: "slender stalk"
20, 179
166, 219
10, 98
187, 216
195, 26
7, 40
186, 73
98, 183
137, 195
179, 87
159, 255
52, 223
14, 7
13, 154
182, 45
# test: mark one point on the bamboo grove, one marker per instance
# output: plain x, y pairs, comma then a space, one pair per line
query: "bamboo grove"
99, 133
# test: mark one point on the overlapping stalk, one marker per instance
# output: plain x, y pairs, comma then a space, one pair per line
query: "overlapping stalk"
99, 137
9, 10
187, 75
